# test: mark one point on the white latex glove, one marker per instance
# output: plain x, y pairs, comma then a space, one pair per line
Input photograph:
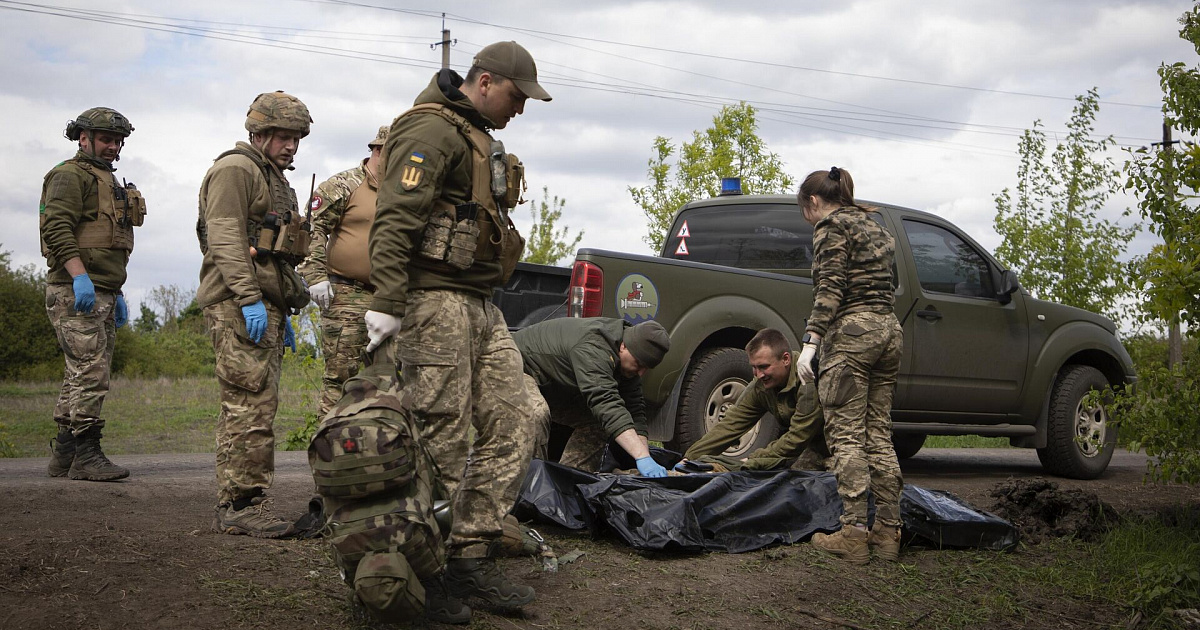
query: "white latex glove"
804, 364
321, 293
380, 326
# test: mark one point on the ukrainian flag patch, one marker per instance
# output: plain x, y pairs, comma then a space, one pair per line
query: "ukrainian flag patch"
417, 158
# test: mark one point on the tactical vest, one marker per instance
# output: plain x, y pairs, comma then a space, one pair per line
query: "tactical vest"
281, 231
378, 484
460, 235
120, 209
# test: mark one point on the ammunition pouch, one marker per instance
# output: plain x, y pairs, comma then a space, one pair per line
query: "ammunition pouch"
293, 287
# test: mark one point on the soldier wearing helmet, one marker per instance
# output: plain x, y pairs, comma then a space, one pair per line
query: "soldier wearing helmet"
441, 242
338, 267
251, 237
86, 228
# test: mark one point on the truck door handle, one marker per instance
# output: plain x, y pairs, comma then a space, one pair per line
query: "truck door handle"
931, 314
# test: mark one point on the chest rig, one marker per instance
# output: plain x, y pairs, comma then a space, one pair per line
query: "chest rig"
281, 231
120, 209
480, 229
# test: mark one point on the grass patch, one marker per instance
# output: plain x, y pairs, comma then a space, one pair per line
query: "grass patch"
965, 441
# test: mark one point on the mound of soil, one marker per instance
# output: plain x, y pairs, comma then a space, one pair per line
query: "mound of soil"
1040, 509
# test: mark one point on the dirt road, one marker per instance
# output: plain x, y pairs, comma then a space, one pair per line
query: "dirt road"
139, 554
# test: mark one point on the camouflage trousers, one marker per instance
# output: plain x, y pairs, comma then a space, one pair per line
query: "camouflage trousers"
248, 374
461, 369
859, 362
344, 336
585, 448
87, 342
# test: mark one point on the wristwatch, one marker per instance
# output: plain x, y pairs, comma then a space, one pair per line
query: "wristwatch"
809, 340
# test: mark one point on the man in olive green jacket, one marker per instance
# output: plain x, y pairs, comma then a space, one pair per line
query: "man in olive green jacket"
589, 371
442, 240
86, 229
249, 218
776, 389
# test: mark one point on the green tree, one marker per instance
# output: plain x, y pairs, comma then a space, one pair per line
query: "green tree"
1160, 415
27, 339
1052, 233
547, 243
731, 147
147, 322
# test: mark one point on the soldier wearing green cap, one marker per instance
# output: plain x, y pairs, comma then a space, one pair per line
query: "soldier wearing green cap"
338, 267
441, 242
251, 237
588, 373
86, 229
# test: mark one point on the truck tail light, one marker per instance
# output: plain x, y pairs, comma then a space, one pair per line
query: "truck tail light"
587, 282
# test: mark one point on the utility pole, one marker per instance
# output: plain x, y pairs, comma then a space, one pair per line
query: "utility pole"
445, 44
1174, 337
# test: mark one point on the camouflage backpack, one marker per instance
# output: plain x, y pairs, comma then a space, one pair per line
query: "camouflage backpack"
378, 484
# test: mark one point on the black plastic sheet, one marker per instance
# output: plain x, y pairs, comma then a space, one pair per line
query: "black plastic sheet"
736, 512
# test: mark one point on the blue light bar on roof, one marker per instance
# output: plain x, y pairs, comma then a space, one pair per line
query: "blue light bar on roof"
731, 186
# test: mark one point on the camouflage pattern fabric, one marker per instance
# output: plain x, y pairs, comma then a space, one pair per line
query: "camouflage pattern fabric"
585, 448
461, 369
852, 269
328, 205
248, 374
539, 417
858, 377
344, 338
87, 342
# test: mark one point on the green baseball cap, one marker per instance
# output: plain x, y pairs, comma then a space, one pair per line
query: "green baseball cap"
511, 61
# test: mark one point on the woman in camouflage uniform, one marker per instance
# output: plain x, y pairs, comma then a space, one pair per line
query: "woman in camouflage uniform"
853, 300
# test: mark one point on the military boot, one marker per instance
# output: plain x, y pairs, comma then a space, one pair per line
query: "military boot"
885, 541
441, 606
62, 453
90, 463
480, 577
848, 543
250, 516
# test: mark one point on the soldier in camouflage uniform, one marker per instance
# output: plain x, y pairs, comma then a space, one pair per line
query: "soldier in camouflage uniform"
250, 235
776, 389
853, 319
590, 373
441, 242
338, 268
86, 230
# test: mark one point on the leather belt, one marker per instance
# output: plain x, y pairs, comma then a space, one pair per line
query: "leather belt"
358, 284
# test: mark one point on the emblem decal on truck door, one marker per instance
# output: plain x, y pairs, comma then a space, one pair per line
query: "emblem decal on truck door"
637, 299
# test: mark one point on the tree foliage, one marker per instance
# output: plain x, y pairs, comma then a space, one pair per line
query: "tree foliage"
1052, 233
27, 340
731, 147
547, 243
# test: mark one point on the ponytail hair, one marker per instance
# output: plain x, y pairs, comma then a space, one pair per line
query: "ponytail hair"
835, 186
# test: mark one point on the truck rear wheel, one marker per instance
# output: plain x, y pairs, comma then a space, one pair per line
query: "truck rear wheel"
713, 384
907, 444
1079, 438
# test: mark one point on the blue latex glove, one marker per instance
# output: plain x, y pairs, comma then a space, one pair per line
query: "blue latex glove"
256, 320
122, 311
289, 335
650, 468
680, 465
85, 293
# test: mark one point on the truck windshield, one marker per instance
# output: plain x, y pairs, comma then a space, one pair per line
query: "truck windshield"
753, 236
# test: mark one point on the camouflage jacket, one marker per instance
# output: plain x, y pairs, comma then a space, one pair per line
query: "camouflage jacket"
852, 267
328, 206
70, 197
580, 356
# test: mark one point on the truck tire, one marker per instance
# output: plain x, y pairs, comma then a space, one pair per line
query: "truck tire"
1079, 438
713, 384
907, 444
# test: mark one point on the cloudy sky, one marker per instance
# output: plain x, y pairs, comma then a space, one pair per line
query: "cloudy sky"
922, 101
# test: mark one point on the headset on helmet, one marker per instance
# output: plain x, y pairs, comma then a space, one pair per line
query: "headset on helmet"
99, 119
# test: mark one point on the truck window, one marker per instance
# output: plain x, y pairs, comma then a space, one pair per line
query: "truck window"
947, 264
757, 236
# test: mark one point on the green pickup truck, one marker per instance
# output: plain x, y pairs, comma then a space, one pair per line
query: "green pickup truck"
981, 357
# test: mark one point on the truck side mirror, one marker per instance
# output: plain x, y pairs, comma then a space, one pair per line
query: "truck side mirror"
1008, 285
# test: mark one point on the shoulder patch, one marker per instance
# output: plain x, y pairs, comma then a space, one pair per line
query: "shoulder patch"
316, 204
417, 158
411, 177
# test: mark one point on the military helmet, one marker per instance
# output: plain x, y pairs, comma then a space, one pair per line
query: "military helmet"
99, 119
277, 110
380, 137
